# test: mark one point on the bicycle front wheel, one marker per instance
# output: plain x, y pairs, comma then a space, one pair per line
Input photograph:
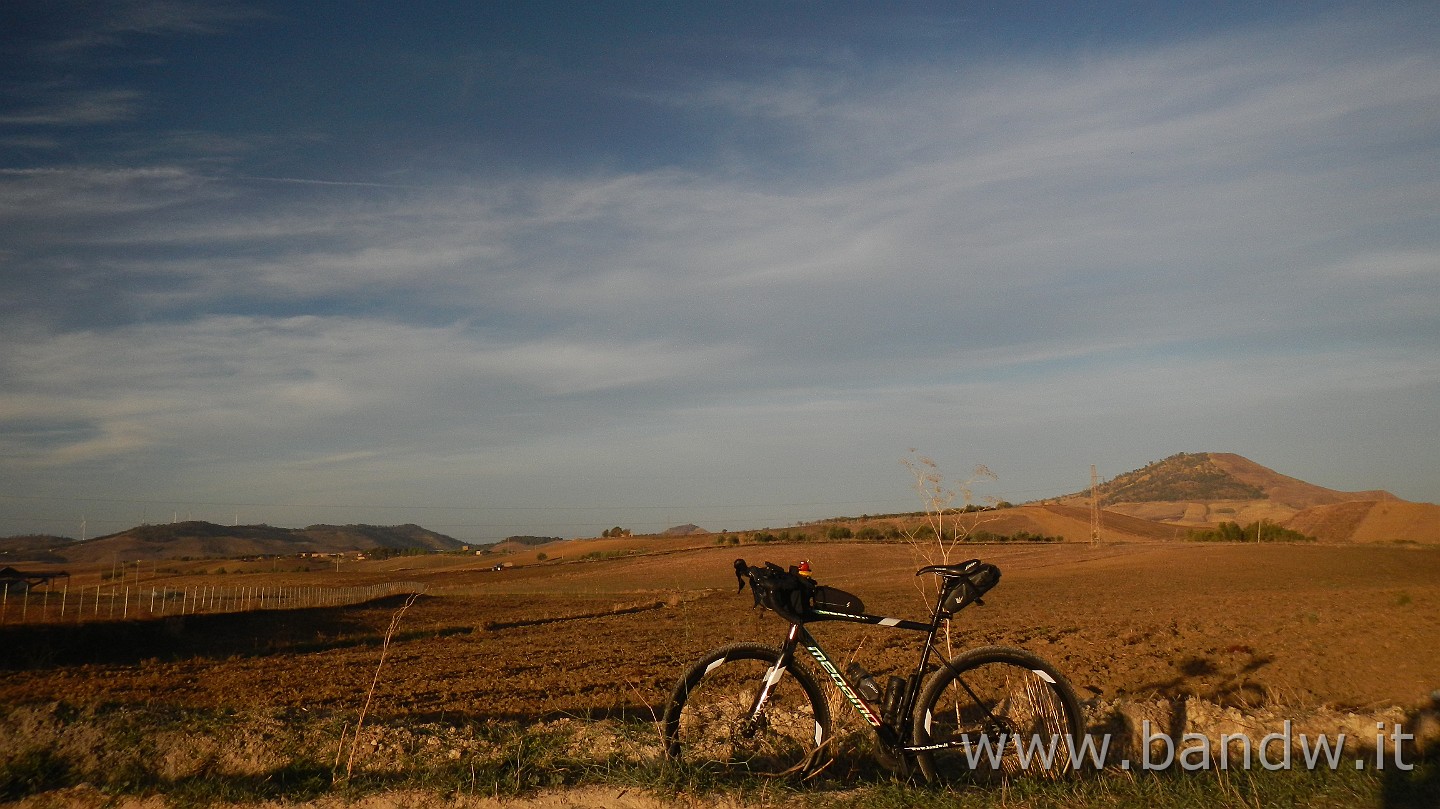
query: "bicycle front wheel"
996, 713
711, 720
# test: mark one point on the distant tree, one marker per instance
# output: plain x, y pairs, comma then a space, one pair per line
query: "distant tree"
1262, 531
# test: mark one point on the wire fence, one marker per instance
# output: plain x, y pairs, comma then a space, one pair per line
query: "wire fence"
134, 602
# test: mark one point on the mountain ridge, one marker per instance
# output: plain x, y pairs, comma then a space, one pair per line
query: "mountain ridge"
201, 540
1202, 490
1160, 501
1216, 477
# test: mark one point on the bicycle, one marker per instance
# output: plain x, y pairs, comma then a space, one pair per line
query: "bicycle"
990, 712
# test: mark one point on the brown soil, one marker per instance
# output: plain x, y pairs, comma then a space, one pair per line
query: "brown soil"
1371, 521
1298, 625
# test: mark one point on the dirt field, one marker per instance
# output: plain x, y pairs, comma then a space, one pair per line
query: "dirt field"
1302, 625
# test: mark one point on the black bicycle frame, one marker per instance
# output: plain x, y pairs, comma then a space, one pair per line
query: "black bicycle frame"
799, 636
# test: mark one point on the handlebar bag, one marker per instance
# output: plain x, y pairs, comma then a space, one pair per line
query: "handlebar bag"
837, 600
786, 592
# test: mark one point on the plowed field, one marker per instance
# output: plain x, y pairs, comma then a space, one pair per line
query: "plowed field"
1343, 626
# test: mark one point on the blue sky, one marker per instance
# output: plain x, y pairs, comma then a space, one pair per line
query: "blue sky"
545, 268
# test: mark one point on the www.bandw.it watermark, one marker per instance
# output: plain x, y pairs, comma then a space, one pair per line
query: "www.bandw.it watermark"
1281, 750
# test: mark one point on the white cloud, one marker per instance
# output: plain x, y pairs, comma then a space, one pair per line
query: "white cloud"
1129, 250
55, 195
185, 384
76, 108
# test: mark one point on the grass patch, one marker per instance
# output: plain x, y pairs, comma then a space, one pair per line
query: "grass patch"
200, 758
32, 772
1323, 789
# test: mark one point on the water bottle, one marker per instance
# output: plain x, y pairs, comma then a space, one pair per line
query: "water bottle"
894, 697
865, 685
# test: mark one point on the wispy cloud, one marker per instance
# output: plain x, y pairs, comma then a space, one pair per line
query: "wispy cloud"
1192, 242
108, 23
76, 108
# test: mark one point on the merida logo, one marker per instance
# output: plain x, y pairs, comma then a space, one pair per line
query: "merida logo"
844, 687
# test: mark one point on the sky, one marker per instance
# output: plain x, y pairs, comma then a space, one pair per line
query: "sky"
546, 268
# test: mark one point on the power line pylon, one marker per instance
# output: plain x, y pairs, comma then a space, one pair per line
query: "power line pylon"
1094, 506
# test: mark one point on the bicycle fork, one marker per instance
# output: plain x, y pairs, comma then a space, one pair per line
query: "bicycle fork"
755, 719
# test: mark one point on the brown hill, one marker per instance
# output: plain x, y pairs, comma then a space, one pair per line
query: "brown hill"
200, 540
1370, 521
1201, 490
1284, 489
1070, 522
32, 548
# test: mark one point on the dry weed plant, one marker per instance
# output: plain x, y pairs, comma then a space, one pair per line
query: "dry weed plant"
939, 497
946, 531
370, 694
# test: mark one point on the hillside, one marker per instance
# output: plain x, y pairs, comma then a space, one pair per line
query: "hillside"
1070, 522
1201, 490
1161, 501
1370, 521
1217, 477
199, 540
32, 548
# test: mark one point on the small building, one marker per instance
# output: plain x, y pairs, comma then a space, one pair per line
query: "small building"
15, 582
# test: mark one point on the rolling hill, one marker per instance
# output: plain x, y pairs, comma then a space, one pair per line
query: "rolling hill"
1201, 490
201, 540
1161, 501
32, 548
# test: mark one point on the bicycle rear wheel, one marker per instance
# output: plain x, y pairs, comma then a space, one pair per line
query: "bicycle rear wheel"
996, 713
708, 721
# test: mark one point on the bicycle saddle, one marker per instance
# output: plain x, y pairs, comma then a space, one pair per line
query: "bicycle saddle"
950, 571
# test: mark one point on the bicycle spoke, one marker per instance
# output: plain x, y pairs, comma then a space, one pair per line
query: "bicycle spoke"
999, 714
714, 722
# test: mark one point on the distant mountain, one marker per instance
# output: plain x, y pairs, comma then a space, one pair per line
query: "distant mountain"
1207, 488
32, 548
1182, 477
688, 529
1217, 476
399, 537
199, 540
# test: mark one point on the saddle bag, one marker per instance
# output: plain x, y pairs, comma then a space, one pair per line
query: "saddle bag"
970, 587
